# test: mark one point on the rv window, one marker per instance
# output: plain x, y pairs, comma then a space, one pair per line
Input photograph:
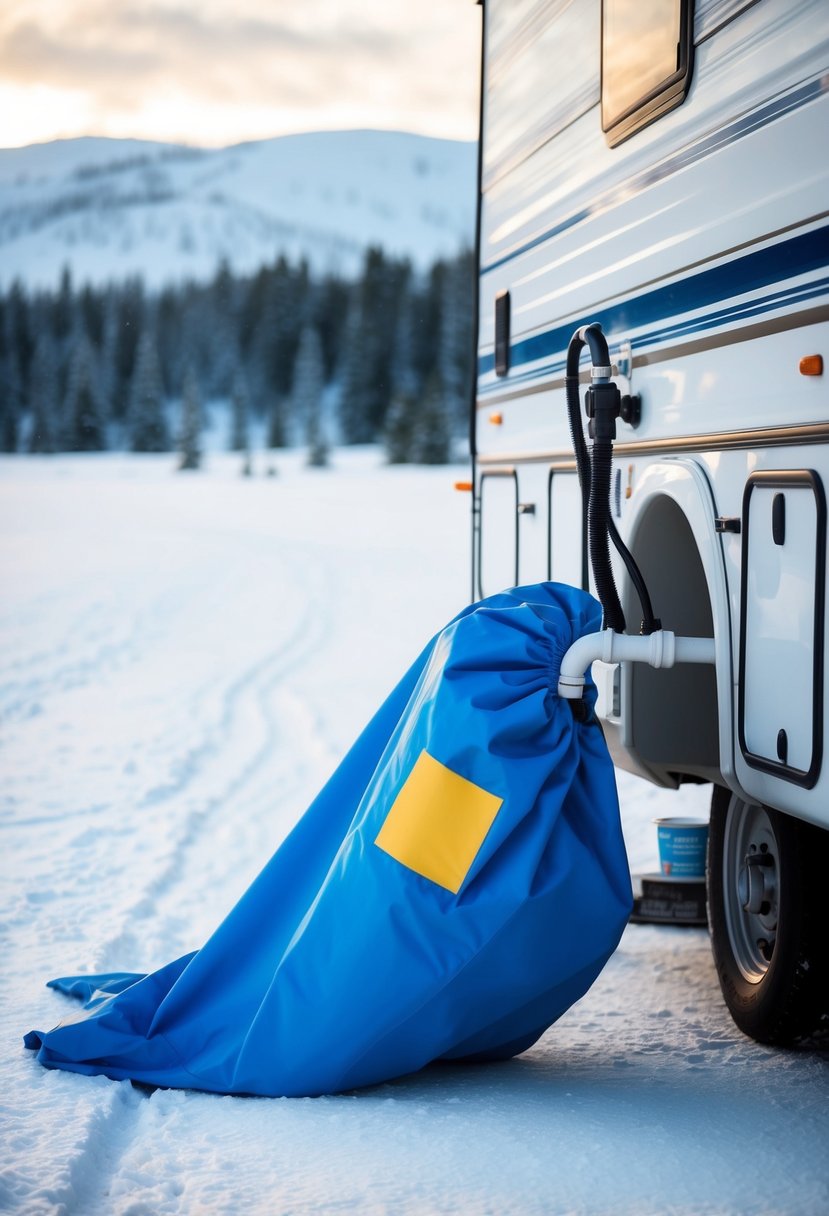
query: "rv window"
646, 62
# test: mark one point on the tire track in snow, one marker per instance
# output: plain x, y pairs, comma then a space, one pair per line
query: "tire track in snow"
113, 1126
247, 703
225, 860
109, 1130
85, 650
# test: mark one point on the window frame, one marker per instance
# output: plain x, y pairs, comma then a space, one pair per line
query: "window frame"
667, 95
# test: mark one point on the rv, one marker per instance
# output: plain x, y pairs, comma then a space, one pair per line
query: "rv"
661, 168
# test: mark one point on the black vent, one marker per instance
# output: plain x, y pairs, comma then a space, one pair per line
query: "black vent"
502, 333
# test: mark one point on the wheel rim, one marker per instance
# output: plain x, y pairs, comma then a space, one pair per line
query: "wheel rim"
751, 868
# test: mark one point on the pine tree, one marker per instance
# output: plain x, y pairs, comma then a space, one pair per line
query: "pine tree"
251, 307
404, 376
317, 441
366, 362
221, 301
432, 433
239, 401
354, 401
91, 304
11, 398
329, 310
129, 323
455, 357
308, 384
189, 440
63, 311
20, 333
427, 307
273, 344
284, 296
399, 428
398, 431
83, 412
367, 368
173, 358
276, 423
45, 396
18, 341
10, 393
148, 430
108, 378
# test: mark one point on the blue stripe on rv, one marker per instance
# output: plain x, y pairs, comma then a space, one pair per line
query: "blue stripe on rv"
776, 265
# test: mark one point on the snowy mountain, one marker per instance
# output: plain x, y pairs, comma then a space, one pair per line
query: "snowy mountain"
110, 208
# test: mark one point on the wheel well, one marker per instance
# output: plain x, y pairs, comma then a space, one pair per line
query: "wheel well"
674, 721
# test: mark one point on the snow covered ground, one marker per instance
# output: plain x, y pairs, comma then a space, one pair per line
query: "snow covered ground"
183, 659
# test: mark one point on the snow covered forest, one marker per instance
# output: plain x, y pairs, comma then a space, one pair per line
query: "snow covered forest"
288, 355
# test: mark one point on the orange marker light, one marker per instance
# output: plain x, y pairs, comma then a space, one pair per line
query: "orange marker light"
811, 365
497, 418
464, 485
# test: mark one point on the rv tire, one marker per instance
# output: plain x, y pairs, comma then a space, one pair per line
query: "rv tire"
766, 913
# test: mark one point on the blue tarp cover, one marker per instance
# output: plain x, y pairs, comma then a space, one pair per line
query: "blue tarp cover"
459, 882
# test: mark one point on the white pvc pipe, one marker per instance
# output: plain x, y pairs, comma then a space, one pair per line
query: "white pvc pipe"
659, 649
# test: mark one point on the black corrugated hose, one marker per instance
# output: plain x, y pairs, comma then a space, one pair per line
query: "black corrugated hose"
601, 460
594, 472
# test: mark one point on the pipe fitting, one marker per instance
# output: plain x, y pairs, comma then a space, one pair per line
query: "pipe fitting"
662, 648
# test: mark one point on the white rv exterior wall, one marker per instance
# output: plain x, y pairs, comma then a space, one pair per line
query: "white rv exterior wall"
701, 242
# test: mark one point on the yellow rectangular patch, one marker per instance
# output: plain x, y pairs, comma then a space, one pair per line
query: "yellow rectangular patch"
437, 823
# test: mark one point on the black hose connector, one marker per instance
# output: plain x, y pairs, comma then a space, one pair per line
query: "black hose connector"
603, 404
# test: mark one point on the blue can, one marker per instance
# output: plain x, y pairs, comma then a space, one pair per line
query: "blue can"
682, 845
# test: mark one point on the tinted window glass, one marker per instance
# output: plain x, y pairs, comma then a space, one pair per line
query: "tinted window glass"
645, 61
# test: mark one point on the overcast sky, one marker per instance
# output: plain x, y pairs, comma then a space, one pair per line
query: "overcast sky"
221, 71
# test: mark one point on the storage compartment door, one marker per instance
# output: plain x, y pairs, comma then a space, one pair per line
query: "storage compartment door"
566, 539
498, 532
780, 702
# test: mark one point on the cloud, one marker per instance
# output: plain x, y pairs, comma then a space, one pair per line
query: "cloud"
107, 43
31, 55
367, 56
